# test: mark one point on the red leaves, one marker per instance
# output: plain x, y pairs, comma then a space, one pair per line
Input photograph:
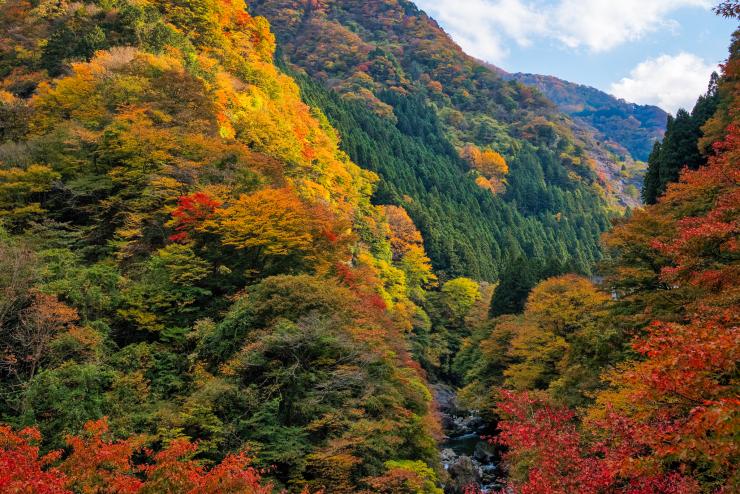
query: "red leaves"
232, 475
704, 248
663, 484
548, 436
377, 302
562, 460
21, 467
98, 465
688, 370
192, 210
670, 418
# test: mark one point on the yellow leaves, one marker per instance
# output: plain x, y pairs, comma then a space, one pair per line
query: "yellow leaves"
406, 476
18, 186
484, 183
491, 166
94, 91
71, 97
36, 178
312, 191
559, 302
459, 295
141, 319
274, 221
539, 352
554, 345
6, 97
263, 38
171, 185
418, 267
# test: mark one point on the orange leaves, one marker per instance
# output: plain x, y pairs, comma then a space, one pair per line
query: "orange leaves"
273, 221
232, 475
704, 248
99, 465
38, 324
488, 162
162, 124
269, 224
678, 263
490, 165
684, 389
403, 231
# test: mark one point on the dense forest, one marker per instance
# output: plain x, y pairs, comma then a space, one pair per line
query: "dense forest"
246, 254
551, 201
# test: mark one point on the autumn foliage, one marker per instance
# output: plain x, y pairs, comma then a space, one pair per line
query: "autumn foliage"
182, 227
97, 464
667, 418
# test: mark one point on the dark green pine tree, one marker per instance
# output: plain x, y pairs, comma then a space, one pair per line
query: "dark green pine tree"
679, 148
652, 176
516, 281
522, 274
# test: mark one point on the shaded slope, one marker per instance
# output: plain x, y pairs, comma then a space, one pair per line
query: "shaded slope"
390, 57
467, 230
627, 127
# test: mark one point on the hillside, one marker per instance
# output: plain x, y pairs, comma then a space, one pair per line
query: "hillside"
593, 383
392, 58
196, 290
628, 129
392, 53
231, 264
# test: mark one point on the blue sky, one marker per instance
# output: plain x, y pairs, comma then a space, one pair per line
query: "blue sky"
646, 51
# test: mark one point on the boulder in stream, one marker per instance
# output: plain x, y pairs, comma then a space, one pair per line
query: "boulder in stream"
462, 473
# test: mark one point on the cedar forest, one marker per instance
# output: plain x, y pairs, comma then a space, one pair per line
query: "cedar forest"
240, 245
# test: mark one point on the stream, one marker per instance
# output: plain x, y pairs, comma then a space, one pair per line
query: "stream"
465, 456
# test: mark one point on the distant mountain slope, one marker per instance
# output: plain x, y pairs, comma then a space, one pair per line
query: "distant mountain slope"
390, 57
628, 125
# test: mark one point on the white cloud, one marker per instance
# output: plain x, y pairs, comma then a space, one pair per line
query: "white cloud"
669, 81
482, 27
601, 25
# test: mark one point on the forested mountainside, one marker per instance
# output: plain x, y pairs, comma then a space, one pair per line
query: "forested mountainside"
221, 273
618, 135
390, 57
628, 129
190, 265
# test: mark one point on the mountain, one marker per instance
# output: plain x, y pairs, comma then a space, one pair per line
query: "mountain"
390, 58
192, 272
627, 128
214, 274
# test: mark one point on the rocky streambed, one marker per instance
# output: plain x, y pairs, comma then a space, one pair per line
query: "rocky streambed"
466, 457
